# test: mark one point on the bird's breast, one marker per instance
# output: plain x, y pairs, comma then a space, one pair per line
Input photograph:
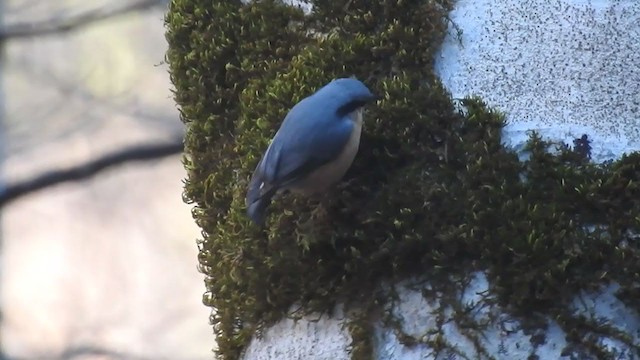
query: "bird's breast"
328, 174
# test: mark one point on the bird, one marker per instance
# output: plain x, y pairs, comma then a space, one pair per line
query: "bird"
314, 146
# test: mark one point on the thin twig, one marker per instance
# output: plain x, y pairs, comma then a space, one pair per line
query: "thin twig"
55, 26
87, 170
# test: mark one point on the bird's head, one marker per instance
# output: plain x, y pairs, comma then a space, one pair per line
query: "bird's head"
348, 94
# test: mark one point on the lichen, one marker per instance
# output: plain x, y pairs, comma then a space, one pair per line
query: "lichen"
432, 190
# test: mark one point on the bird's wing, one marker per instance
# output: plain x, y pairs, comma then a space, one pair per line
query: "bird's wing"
305, 143
310, 136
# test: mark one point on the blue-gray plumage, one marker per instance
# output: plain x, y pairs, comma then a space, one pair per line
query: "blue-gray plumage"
314, 146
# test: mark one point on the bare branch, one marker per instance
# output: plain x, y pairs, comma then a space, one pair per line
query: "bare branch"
84, 351
84, 171
62, 25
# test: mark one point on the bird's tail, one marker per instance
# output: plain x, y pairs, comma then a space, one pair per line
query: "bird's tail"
257, 210
258, 200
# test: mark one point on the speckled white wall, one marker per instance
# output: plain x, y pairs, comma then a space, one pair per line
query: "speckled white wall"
564, 67
322, 338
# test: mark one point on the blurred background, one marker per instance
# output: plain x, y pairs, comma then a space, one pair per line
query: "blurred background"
105, 267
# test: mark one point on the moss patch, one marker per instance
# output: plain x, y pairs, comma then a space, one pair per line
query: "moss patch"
432, 190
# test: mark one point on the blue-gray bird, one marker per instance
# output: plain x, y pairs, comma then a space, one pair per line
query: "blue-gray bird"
313, 148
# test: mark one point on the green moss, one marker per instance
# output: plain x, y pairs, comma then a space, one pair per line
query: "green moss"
361, 329
432, 190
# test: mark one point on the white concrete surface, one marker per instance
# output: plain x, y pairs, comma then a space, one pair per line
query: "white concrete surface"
563, 67
319, 338
503, 338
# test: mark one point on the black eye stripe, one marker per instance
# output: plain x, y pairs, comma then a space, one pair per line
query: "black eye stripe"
349, 107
